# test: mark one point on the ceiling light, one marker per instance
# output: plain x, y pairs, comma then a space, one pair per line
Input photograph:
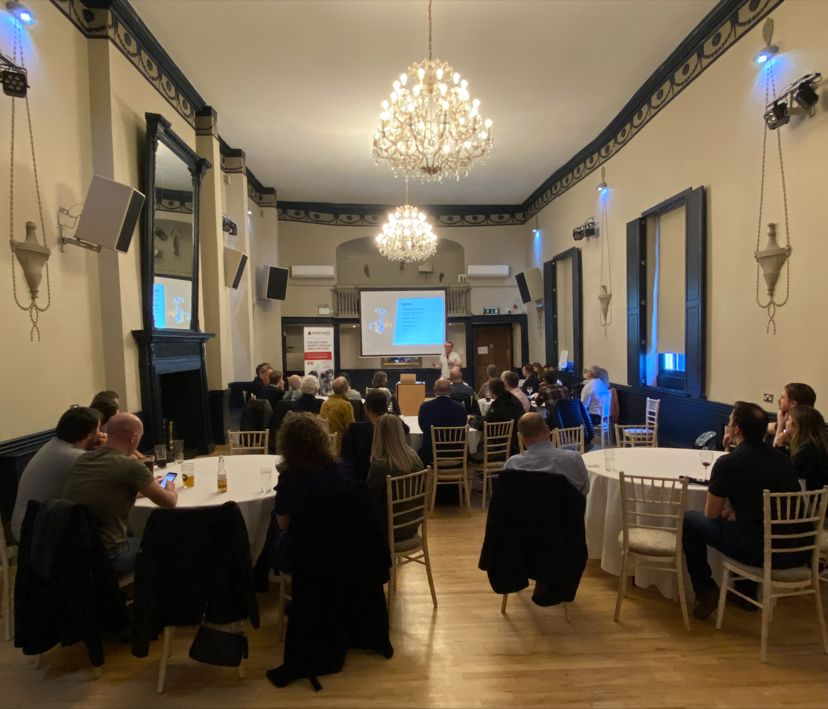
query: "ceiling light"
602, 185
407, 236
777, 115
431, 128
20, 11
769, 50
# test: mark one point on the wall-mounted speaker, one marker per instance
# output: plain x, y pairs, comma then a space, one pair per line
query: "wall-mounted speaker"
234, 263
110, 213
530, 285
272, 283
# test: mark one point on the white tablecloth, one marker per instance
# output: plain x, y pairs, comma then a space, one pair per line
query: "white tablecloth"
484, 406
243, 487
415, 437
603, 509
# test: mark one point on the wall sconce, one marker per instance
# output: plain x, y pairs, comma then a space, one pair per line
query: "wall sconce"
32, 257
798, 99
587, 229
769, 51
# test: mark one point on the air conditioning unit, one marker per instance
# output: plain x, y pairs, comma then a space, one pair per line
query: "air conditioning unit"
312, 272
489, 271
425, 268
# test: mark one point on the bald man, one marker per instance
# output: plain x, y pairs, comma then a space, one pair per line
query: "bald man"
108, 479
337, 408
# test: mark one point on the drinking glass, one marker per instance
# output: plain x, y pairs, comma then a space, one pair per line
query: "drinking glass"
609, 460
178, 450
161, 456
265, 480
149, 461
188, 474
706, 457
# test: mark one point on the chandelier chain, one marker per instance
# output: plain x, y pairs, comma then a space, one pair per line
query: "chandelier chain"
429, 30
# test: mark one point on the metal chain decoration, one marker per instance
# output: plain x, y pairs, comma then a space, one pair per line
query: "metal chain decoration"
33, 256
769, 261
605, 292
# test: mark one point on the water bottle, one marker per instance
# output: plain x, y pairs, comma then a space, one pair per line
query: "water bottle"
222, 475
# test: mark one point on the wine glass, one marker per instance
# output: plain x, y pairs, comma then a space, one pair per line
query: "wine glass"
706, 457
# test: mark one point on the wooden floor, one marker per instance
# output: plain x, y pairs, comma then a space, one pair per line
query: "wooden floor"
466, 654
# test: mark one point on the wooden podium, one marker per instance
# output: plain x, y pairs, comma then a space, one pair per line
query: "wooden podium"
410, 394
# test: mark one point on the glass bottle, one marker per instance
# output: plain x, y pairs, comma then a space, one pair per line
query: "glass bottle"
222, 475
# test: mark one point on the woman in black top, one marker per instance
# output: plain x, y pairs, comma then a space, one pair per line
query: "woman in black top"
809, 445
531, 382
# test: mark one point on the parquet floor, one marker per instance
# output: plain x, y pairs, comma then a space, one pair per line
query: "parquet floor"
465, 654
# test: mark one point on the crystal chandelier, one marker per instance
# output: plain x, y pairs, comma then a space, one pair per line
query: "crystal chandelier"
431, 128
407, 235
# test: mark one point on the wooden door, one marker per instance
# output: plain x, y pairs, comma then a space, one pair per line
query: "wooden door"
492, 345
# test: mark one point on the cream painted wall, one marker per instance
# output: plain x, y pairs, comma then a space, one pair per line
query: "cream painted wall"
711, 135
267, 314
66, 367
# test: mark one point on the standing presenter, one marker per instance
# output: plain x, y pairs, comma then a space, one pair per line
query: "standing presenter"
449, 359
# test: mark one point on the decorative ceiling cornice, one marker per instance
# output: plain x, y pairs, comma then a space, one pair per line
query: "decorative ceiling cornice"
117, 21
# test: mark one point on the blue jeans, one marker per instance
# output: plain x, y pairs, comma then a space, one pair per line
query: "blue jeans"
701, 532
124, 560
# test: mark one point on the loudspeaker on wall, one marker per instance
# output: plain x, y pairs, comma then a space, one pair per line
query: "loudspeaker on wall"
272, 283
110, 213
530, 285
234, 263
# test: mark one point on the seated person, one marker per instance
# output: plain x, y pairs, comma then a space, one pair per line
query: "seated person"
530, 380
732, 521
595, 393
505, 407
262, 379
491, 373
358, 438
542, 456
805, 430
390, 456
550, 393
307, 466
439, 411
462, 392
107, 481
107, 404
44, 475
380, 383
274, 391
337, 409
510, 379
294, 390
793, 395
351, 394
307, 400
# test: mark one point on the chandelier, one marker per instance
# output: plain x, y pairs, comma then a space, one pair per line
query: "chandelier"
431, 128
407, 235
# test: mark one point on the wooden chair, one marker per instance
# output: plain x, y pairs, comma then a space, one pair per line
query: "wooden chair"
792, 525
166, 653
606, 420
823, 554
407, 502
497, 444
336, 443
8, 567
449, 447
646, 434
652, 515
569, 438
247, 442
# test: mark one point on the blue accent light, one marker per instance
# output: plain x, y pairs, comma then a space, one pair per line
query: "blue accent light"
766, 54
22, 13
671, 361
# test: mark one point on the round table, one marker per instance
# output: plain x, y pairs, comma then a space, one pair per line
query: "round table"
415, 435
243, 487
603, 508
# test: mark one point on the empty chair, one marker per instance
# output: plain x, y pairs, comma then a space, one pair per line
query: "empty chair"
570, 438
792, 527
8, 566
646, 434
247, 442
497, 439
652, 517
407, 501
449, 462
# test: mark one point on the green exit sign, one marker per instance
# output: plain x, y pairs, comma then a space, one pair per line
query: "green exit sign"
491, 311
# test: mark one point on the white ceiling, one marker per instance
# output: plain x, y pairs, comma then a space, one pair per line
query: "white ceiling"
298, 84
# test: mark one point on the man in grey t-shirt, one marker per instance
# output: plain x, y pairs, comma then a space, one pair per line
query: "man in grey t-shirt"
42, 479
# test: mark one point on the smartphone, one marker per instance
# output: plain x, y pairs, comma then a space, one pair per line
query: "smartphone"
168, 478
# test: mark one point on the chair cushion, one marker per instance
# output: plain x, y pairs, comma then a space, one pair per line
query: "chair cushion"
651, 542
638, 431
796, 574
409, 544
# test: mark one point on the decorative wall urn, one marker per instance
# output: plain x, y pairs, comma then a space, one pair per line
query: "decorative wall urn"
771, 259
32, 257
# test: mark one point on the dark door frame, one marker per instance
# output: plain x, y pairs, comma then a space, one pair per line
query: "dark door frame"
550, 293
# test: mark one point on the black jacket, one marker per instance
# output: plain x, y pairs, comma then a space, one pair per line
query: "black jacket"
193, 565
273, 394
340, 564
309, 403
356, 448
504, 408
535, 529
531, 384
80, 600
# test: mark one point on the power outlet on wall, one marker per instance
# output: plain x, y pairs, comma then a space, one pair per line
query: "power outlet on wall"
767, 398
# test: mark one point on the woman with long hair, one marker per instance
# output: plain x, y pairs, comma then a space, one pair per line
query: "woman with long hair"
380, 383
809, 445
390, 456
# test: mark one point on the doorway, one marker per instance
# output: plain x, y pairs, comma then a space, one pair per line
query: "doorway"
492, 345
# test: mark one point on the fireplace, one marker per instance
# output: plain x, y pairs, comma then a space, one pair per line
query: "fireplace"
174, 387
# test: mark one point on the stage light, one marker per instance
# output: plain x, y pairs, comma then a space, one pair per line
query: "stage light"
13, 78
805, 94
20, 11
777, 115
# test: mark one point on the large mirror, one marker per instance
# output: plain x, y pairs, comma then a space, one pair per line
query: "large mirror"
170, 243
563, 300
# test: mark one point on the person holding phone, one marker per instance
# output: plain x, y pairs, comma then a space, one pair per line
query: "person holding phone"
107, 481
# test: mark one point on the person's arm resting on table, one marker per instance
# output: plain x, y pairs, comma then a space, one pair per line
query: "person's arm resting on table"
160, 496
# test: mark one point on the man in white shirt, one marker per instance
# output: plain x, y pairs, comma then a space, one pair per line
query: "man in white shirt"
542, 456
42, 479
448, 360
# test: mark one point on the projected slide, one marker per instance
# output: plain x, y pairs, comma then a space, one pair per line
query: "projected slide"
402, 322
171, 302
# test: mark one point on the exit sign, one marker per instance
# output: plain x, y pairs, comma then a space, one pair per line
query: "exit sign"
491, 311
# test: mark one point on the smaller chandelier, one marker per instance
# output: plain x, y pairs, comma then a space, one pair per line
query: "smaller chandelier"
407, 236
